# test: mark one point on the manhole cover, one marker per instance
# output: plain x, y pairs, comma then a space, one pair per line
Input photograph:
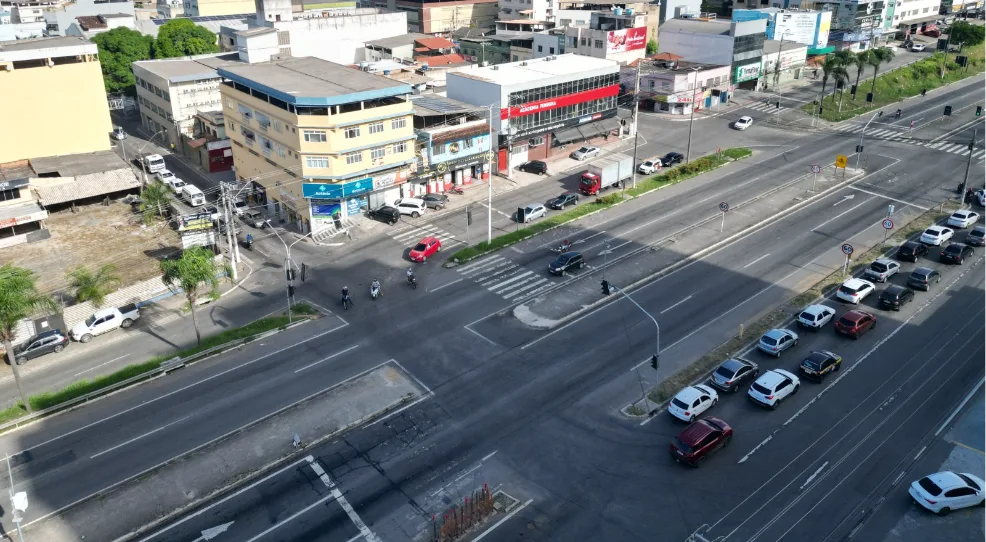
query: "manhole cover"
503, 502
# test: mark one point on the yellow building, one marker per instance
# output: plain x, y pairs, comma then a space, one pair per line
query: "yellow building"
320, 141
204, 8
54, 96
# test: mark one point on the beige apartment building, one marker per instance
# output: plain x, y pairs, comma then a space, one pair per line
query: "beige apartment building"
207, 8
62, 76
321, 142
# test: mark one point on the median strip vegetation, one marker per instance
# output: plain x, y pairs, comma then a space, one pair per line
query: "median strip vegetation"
77, 389
668, 177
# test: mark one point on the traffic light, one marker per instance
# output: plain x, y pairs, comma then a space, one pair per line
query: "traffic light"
291, 292
304, 271
653, 361
778, 104
948, 111
605, 285
290, 274
979, 110
869, 98
859, 148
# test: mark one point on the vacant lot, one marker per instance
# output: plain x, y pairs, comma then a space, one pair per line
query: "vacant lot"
93, 236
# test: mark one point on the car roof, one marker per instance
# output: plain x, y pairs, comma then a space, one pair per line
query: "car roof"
855, 283
695, 432
954, 246
815, 309
911, 244
569, 255
855, 315
946, 480
963, 212
745, 118
429, 239
819, 356
979, 229
937, 229
534, 205
409, 200
923, 270
735, 364
776, 333
894, 289
690, 393
884, 261
772, 377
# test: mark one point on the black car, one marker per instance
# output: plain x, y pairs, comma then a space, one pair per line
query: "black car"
563, 201
535, 166
896, 297
672, 158
733, 373
387, 214
976, 237
955, 253
922, 277
435, 201
818, 365
911, 251
566, 262
50, 341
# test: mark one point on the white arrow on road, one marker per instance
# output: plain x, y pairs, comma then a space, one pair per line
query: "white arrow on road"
844, 198
213, 532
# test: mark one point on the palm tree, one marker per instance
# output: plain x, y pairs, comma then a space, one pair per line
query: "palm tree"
155, 198
862, 59
830, 64
91, 286
19, 299
879, 56
841, 77
196, 267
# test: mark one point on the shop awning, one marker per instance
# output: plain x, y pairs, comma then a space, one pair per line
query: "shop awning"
602, 127
568, 136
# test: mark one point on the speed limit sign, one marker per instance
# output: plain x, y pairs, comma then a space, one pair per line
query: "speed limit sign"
888, 224
847, 249
815, 169
724, 207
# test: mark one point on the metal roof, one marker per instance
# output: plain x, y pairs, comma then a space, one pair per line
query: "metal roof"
397, 41
696, 27
177, 70
72, 165
431, 105
87, 186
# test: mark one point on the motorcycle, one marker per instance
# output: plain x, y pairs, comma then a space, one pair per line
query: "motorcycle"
346, 302
457, 190
564, 247
413, 281
374, 292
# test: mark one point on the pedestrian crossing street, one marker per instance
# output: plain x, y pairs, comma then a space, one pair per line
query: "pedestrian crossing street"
409, 235
505, 278
765, 108
901, 135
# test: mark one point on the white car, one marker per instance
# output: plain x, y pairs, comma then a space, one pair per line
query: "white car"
981, 197
585, 153
411, 206
815, 316
936, 235
881, 270
773, 387
855, 290
692, 401
943, 492
166, 176
119, 134
963, 219
743, 123
534, 211
649, 166
917, 47
177, 184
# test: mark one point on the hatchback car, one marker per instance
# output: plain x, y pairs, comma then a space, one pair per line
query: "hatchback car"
411, 206
692, 401
177, 184
387, 214
584, 153
566, 262
47, 342
855, 290
922, 277
535, 166
254, 218
815, 316
881, 270
855, 323
732, 373
564, 200
532, 212
773, 387
699, 440
165, 176
649, 166
977, 237
425, 248
818, 365
936, 235
955, 253
917, 47
943, 492
911, 251
435, 201
672, 158
895, 297
963, 219
776, 341
743, 123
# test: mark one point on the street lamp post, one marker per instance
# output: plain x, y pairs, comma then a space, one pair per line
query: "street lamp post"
691, 120
18, 502
777, 68
288, 263
636, 112
861, 132
489, 185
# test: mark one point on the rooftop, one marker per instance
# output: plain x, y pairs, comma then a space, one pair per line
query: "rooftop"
73, 165
215, 117
46, 44
521, 21
313, 81
178, 70
772, 46
397, 41
662, 66
435, 43
434, 105
536, 69
696, 26
256, 31
90, 22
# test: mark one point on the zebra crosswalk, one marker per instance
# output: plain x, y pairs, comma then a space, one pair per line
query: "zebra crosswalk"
901, 135
766, 108
505, 278
409, 235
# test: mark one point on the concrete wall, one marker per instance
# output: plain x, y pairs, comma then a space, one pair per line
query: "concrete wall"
548, 44
442, 17
340, 38
705, 48
472, 91
203, 8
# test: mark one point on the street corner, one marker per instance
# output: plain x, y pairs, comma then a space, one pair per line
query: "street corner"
529, 318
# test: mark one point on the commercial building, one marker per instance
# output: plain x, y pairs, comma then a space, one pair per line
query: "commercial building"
453, 144
429, 50
859, 24
209, 147
54, 97
810, 28
782, 63
320, 141
549, 43
676, 87
212, 8
442, 16
673, 9
619, 35
579, 12
544, 104
738, 44
59, 20
916, 16
499, 49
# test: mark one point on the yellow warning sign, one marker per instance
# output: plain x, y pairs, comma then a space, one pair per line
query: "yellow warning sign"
840, 161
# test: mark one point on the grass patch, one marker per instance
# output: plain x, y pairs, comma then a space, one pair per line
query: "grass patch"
687, 171
634, 410
737, 153
304, 309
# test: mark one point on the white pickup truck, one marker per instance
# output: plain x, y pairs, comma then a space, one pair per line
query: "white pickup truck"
104, 321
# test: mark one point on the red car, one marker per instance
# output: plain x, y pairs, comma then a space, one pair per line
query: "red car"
855, 323
699, 440
426, 247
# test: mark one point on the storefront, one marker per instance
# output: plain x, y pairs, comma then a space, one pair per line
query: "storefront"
746, 76
441, 177
329, 203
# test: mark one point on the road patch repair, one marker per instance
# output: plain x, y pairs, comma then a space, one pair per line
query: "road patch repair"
160, 494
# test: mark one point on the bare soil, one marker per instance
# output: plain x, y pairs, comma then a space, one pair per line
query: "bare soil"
93, 236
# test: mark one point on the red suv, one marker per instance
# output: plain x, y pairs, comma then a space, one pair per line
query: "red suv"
855, 323
699, 440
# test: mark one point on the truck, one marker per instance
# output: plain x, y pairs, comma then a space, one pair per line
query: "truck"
192, 195
153, 163
606, 172
104, 321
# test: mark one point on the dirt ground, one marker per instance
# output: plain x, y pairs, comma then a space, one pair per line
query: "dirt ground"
94, 236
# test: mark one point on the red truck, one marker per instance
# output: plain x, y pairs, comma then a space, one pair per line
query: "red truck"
606, 172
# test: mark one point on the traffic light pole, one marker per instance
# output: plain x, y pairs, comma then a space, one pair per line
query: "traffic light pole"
655, 360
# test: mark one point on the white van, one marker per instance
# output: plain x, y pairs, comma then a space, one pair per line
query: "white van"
153, 163
191, 194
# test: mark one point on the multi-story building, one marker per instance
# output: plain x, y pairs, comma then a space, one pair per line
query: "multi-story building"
211, 8
439, 17
453, 142
676, 87
548, 43
810, 28
619, 35
859, 24
320, 141
59, 20
915, 16
430, 50
63, 76
544, 103
782, 62
535, 10
27, 13
170, 92
499, 49
738, 44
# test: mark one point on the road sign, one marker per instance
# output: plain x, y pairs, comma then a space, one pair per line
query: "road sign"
847, 249
489, 156
888, 224
815, 168
724, 207
840, 161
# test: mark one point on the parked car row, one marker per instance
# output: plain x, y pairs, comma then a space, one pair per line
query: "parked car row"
55, 340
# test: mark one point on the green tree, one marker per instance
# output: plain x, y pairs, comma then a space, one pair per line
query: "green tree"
841, 78
862, 59
94, 287
196, 268
19, 299
182, 37
964, 34
880, 56
118, 50
828, 66
155, 198
651, 47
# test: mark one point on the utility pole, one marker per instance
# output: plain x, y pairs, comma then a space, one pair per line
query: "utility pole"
944, 60
657, 347
489, 185
288, 264
224, 199
691, 120
18, 502
777, 68
968, 167
636, 111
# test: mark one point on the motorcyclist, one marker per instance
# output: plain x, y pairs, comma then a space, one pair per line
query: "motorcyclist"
249, 240
897, 115
566, 245
345, 295
410, 275
375, 285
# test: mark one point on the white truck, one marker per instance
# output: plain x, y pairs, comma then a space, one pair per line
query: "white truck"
606, 172
192, 195
104, 321
153, 163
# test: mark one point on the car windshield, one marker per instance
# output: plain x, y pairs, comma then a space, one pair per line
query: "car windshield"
847, 290
972, 483
919, 275
931, 233
929, 486
90, 320
808, 316
679, 403
768, 340
584, 149
420, 247
847, 322
953, 249
811, 363
682, 446
878, 267
976, 233
725, 373
760, 389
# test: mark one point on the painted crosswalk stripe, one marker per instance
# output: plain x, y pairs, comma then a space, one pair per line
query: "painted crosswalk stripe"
978, 153
935, 146
500, 285
540, 284
492, 275
469, 267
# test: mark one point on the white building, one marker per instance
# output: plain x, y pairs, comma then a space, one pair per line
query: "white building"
738, 44
10, 31
915, 12
615, 35
810, 28
26, 13
88, 26
537, 10
548, 43
782, 64
60, 19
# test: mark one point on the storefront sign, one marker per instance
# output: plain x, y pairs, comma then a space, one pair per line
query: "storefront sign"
16, 183
24, 219
561, 101
337, 190
384, 181
745, 73
576, 121
324, 209
454, 148
628, 39
590, 118
352, 206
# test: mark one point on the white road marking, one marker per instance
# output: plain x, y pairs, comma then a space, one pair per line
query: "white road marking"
915, 205
921, 451
500, 285
515, 249
337, 354
813, 476
135, 439
341, 499
478, 334
755, 261
444, 285
851, 209
541, 282
489, 456
505, 518
960, 407
288, 519
101, 364
675, 305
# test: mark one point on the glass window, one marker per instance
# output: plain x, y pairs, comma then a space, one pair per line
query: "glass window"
599, 44
397, 124
376, 127
316, 161
352, 132
378, 153
400, 147
314, 136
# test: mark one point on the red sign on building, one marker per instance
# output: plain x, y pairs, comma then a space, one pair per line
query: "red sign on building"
560, 101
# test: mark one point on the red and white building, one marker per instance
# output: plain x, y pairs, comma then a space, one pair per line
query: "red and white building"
546, 105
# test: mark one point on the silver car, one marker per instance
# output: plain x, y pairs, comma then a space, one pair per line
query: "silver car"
585, 153
534, 211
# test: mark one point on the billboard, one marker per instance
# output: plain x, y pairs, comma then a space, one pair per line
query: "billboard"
824, 25
747, 72
628, 39
799, 27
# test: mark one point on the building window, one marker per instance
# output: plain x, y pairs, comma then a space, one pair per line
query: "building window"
352, 132
354, 157
378, 153
468, 143
599, 44
551, 50
281, 151
278, 125
314, 136
535, 141
397, 124
515, 58
584, 42
376, 127
317, 162
400, 147
229, 103
438, 148
540, 49
12, 194
167, 97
